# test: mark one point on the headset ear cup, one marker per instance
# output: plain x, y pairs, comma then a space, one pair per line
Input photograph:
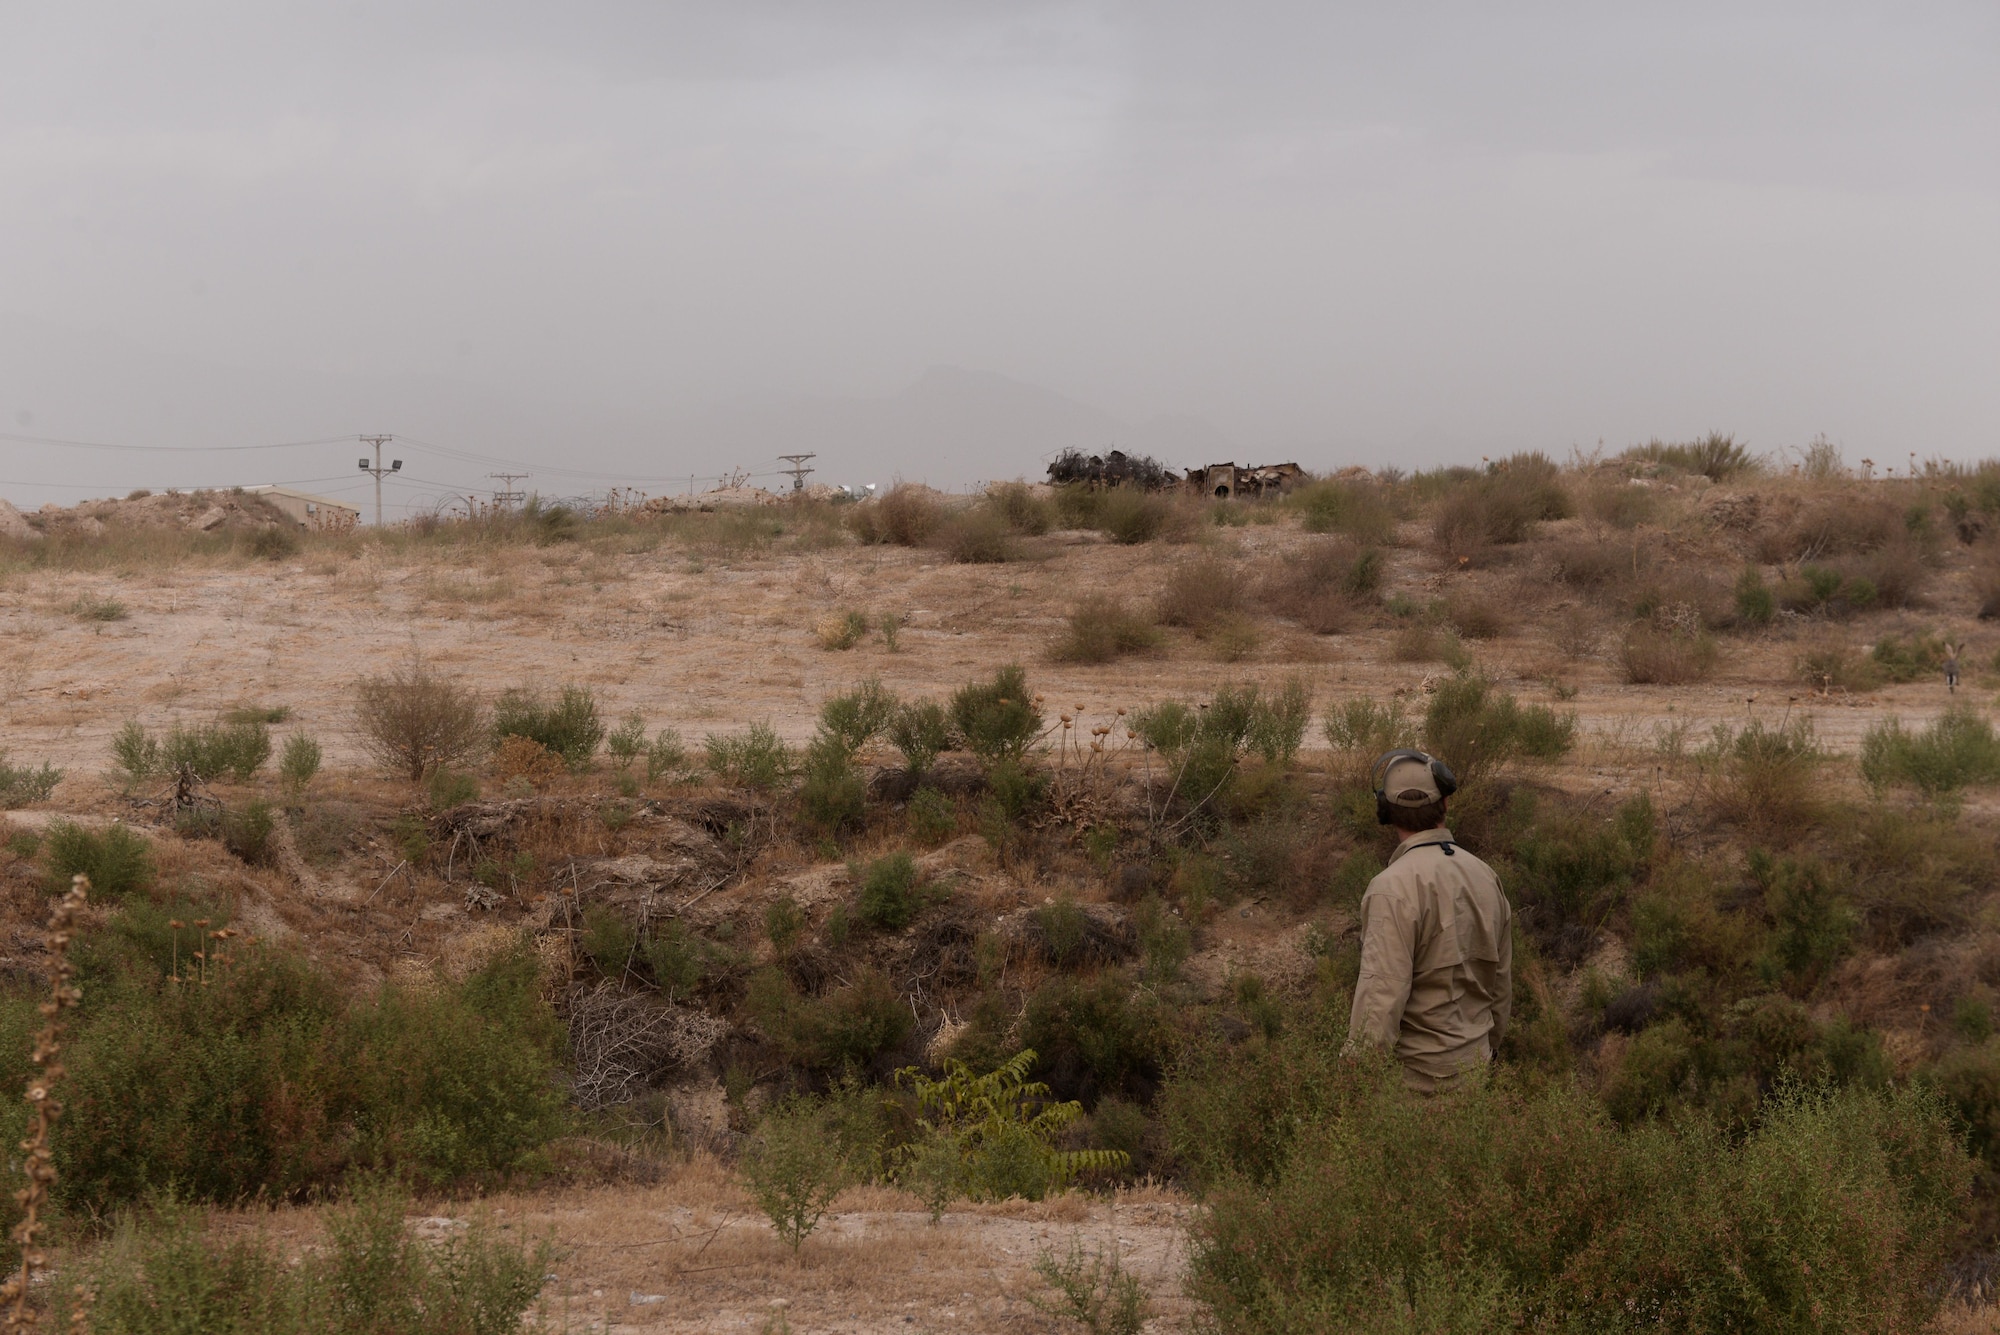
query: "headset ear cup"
1447, 782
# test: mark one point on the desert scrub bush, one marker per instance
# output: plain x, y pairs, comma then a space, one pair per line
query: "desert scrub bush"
997, 719
1912, 659
976, 535
299, 762
1023, 511
932, 817
567, 726
1096, 1035
847, 1027
214, 750
1755, 603
1955, 750
20, 785
1130, 516
1715, 456
794, 1168
906, 516
1765, 775
1654, 655
626, 742
1362, 726
666, 756
1093, 1291
1100, 629
413, 719
1279, 720
1200, 594
265, 1080
1475, 727
920, 731
890, 892
1325, 585
1499, 507
1359, 510
161, 1271
1505, 1209
756, 758
1568, 871
991, 1136
118, 862
135, 752
1812, 924
840, 631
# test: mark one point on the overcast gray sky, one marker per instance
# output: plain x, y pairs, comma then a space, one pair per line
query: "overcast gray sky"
655, 239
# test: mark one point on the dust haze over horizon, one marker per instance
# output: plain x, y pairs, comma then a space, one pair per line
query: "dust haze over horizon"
648, 242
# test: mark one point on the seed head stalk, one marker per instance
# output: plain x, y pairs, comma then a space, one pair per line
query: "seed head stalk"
38, 1164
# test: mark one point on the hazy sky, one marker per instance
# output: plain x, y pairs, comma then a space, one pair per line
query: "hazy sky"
1337, 232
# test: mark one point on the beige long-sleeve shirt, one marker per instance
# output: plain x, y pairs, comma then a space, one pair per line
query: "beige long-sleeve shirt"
1437, 961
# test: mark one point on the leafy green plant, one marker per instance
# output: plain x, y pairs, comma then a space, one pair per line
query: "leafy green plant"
625, 742
755, 758
1475, 728
666, 755
1278, 726
1362, 726
847, 1027
299, 762
212, 750
1755, 603
1004, 1128
891, 892
932, 817
611, 942
997, 718
567, 726
20, 785
135, 752
1956, 749
1100, 629
794, 1169
117, 861
921, 731
1094, 1292
448, 788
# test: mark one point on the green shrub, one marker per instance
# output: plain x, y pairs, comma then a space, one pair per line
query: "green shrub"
163, 1273
1359, 510
1476, 728
135, 752
833, 796
921, 731
20, 785
247, 831
1497, 1209
992, 1136
794, 1169
1278, 725
610, 942
678, 959
1020, 508
1654, 656
299, 761
755, 758
998, 719
1768, 773
1130, 516
117, 861
1361, 726
859, 716
1913, 659
1812, 924
1095, 1036
1955, 750
1101, 629
666, 755
1500, 506
848, 1027
932, 817
265, 1081
1569, 871
448, 788
567, 726
891, 894
212, 750
625, 742
976, 536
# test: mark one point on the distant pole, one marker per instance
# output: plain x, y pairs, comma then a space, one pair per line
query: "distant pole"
509, 498
395, 466
798, 469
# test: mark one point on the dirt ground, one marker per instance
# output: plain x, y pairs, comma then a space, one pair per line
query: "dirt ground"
710, 642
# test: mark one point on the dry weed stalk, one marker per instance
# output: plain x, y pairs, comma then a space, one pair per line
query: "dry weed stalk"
38, 1164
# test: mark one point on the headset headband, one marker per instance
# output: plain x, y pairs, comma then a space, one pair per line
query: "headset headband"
1378, 774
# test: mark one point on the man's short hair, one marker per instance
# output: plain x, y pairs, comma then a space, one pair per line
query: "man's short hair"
1415, 820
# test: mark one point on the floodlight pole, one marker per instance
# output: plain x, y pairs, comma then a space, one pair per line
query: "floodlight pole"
395, 465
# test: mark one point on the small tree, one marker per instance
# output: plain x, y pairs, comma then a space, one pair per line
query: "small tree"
795, 1168
413, 719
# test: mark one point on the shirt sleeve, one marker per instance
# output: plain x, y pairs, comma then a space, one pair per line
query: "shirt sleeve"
1388, 951
1503, 1005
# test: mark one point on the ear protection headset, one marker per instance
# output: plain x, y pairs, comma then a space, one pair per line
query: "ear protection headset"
1378, 776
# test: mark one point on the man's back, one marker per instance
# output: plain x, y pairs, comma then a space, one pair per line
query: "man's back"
1437, 957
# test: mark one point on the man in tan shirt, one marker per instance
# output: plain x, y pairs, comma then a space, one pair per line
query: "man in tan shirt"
1437, 955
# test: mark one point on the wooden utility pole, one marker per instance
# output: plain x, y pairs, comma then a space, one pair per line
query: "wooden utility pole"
395, 466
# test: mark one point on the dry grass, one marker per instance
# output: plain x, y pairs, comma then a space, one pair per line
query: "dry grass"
1101, 629
1655, 657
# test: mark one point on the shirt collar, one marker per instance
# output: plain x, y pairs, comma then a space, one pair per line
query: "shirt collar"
1419, 841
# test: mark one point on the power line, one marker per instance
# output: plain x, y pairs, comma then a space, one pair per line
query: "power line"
167, 449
